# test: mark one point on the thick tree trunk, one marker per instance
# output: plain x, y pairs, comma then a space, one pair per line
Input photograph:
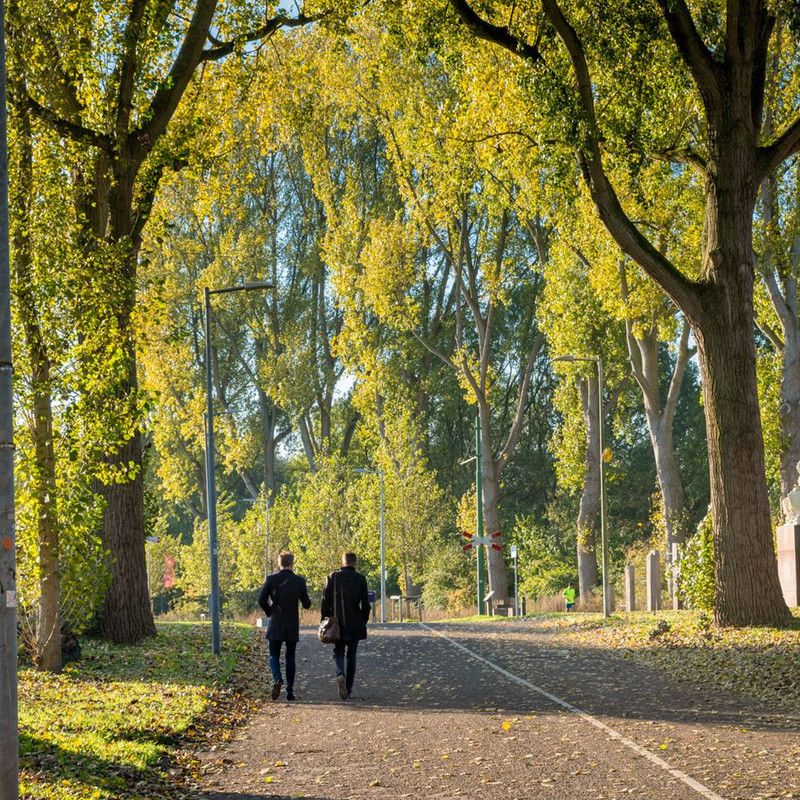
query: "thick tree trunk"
126, 615
748, 591
589, 506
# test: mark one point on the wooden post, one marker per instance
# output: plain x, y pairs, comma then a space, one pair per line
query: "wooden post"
675, 568
630, 588
653, 581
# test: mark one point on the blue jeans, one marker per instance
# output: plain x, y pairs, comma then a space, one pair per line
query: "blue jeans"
275, 662
339, 657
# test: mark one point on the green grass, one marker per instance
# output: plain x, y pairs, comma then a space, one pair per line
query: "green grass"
106, 727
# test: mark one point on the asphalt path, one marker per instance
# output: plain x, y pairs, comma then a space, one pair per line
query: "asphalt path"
501, 711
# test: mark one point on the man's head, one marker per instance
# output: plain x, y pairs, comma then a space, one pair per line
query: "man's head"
286, 559
349, 559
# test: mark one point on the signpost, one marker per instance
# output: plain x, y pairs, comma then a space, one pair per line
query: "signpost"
516, 581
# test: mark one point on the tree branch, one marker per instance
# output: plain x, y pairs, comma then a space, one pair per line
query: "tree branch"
682, 291
222, 49
675, 384
694, 53
516, 426
169, 93
126, 68
771, 156
70, 130
494, 33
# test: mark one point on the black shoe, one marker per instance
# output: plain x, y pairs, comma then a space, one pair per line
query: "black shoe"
349, 693
342, 682
276, 689
289, 695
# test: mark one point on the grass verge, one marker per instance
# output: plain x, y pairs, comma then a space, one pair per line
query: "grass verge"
112, 725
762, 664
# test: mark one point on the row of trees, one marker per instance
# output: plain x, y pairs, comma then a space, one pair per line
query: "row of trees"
422, 186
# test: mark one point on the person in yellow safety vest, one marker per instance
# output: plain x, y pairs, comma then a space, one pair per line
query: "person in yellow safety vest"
569, 597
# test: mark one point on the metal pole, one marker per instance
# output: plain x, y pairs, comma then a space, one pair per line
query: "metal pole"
266, 531
603, 536
211, 488
479, 509
9, 731
516, 586
383, 550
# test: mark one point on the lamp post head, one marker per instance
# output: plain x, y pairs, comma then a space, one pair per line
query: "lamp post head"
250, 286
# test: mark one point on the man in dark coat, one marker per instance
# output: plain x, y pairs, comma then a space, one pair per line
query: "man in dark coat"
279, 598
351, 609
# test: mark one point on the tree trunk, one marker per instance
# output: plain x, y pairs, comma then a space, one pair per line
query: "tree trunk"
126, 615
49, 624
590, 497
495, 561
748, 591
670, 484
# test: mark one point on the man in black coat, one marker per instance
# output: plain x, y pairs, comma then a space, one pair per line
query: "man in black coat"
279, 598
351, 609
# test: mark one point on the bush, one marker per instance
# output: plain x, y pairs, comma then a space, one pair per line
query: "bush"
696, 585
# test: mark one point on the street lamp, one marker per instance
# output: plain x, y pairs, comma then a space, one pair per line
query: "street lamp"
211, 486
598, 360
9, 730
379, 473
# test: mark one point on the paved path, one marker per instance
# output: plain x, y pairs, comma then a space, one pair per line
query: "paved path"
473, 711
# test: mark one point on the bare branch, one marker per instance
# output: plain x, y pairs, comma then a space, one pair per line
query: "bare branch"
222, 49
675, 384
515, 431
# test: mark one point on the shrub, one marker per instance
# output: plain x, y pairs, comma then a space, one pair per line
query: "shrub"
696, 585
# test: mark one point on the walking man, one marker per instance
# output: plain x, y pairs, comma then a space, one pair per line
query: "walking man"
346, 598
279, 598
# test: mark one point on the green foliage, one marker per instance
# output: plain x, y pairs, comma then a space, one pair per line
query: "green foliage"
696, 581
546, 557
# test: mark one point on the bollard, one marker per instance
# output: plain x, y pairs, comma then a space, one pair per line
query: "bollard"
630, 587
675, 565
653, 581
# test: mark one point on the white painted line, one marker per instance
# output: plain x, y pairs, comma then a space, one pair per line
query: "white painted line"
637, 748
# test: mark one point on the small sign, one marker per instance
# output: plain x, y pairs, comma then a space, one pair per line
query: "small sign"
513, 551
371, 595
11, 599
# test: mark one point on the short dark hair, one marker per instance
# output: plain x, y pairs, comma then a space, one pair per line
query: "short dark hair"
349, 559
286, 559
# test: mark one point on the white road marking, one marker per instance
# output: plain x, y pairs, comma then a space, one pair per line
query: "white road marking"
631, 745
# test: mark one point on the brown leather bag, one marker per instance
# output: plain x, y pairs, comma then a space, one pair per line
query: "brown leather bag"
329, 627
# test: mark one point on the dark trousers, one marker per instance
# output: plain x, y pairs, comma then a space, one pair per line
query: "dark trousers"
349, 673
275, 661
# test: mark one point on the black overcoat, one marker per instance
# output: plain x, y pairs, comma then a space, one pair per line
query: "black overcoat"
352, 603
279, 598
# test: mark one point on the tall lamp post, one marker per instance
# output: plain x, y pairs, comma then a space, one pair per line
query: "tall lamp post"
9, 731
211, 485
598, 360
379, 473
